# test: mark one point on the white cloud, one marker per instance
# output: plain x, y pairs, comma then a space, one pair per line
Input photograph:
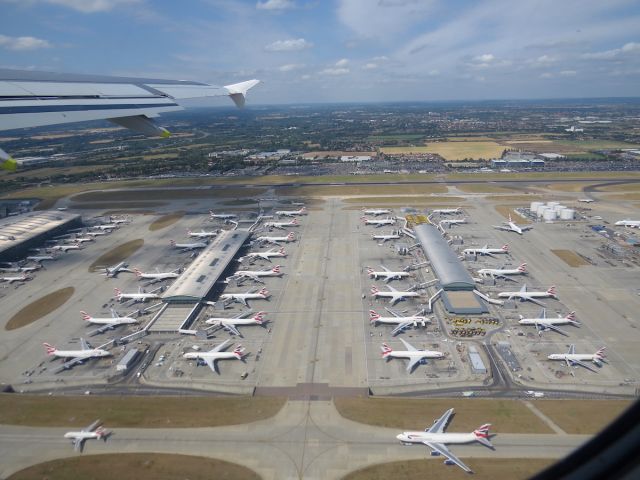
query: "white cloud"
293, 45
546, 75
275, 5
631, 47
335, 71
23, 43
370, 66
343, 62
485, 58
568, 73
91, 6
290, 67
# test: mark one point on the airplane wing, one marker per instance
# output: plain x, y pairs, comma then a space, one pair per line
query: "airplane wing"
412, 363
384, 268
212, 364
582, 364
440, 424
85, 345
444, 451
391, 289
408, 346
392, 312
220, 347
556, 329
78, 443
231, 329
501, 227
92, 427
400, 328
536, 301
572, 349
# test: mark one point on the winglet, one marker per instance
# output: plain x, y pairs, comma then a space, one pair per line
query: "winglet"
7, 162
238, 91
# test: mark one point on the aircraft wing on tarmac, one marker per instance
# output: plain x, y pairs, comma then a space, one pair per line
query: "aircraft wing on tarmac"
444, 451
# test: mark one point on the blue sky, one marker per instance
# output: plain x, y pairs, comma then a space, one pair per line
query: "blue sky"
340, 50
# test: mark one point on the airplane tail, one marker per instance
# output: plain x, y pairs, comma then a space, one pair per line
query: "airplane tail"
85, 316
264, 292
138, 273
50, 349
101, 432
291, 237
552, 290
276, 269
172, 243
370, 271
386, 350
482, 435
294, 221
281, 251
523, 268
238, 351
373, 316
505, 248
374, 290
259, 318
600, 354
118, 293
571, 317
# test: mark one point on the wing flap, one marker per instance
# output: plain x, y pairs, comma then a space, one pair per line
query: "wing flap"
444, 451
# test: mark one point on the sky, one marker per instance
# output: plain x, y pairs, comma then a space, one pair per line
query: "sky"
340, 50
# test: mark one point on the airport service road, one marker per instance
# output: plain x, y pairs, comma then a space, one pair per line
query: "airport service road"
318, 333
304, 440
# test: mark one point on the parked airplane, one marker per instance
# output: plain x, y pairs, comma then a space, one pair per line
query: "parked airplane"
379, 222
436, 439
399, 320
524, 295
376, 211
243, 297
77, 356
394, 295
82, 239
414, 355
105, 227
268, 255
502, 272
486, 250
119, 221
97, 233
113, 272
384, 238
289, 238
387, 274
586, 200
202, 234
573, 129
453, 221
136, 297
108, 323
217, 353
188, 246
512, 227
156, 277
230, 324
22, 278
628, 223
572, 358
282, 225
256, 275
32, 268
543, 323
65, 248
447, 211
222, 216
41, 258
92, 431
291, 213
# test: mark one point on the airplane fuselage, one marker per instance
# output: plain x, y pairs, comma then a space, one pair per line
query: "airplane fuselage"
443, 438
91, 353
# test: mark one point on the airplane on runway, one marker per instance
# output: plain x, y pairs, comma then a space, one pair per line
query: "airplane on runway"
65, 248
188, 246
502, 272
387, 274
447, 211
141, 296
113, 272
436, 439
41, 258
486, 250
243, 297
376, 211
291, 213
379, 222
543, 324
95, 430
628, 223
22, 278
217, 353
414, 355
289, 238
202, 234
222, 216
256, 275
572, 358
512, 227
230, 324
524, 295
156, 277
282, 225
394, 295
397, 319
268, 255
77, 356
384, 238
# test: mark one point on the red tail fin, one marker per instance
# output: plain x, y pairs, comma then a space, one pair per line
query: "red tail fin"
85, 315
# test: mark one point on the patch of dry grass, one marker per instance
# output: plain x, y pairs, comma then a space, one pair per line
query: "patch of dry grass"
453, 150
623, 196
403, 201
166, 194
506, 416
353, 190
506, 210
41, 307
568, 187
119, 205
584, 416
484, 188
130, 411
165, 220
570, 257
621, 187
516, 198
433, 469
141, 466
116, 255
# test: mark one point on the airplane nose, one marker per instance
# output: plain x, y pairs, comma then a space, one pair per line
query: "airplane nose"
399, 437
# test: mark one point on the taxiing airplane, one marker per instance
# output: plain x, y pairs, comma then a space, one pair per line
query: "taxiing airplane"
268, 255
231, 324
447, 211
572, 358
113, 272
402, 322
202, 234
387, 274
244, 297
156, 277
524, 295
77, 356
384, 238
486, 250
289, 238
282, 225
543, 324
436, 439
379, 222
65, 248
95, 430
141, 296
256, 275
393, 295
628, 223
376, 211
414, 355
512, 227
114, 321
22, 278
187, 246
217, 353
503, 272
291, 213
